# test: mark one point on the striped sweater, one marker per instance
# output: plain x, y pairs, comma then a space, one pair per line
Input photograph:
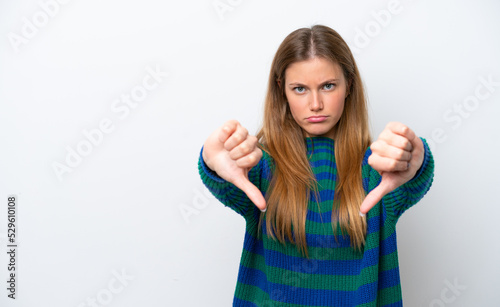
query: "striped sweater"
273, 274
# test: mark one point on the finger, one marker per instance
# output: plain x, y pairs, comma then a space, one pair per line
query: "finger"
250, 160
385, 150
227, 129
243, 149
401, 129
253, 193
383, 164
375, 196
236, 138
396, 140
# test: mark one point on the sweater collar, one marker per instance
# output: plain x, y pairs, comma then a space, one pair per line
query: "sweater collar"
318, 142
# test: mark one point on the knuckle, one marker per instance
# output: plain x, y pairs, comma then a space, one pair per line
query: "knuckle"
227, 145
377, 145
404, 166
397, 166
240, 163
251, 159
231, 123
253, 139
242, 130
371, 160
400, 154
392, 125
237, 137
244, 147
385, 135
393, 164
259, 153
404, 129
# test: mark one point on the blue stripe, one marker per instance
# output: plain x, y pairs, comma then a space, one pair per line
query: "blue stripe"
253, 245
303, 296
387, 279
324, 195
396, 304
324, 217
366, 181
328, 150
373, 223
266, 170
313, 266
296, 295
366, 293
368, 153
326, 175
241, 303
319, 142
322, 267
326, 241
322, 162
388, 245
370, 258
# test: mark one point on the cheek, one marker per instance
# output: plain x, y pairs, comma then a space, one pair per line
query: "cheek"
338, 104
341, 107
294, 114
294, 107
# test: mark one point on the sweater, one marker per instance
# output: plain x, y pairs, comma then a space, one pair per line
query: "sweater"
275, 274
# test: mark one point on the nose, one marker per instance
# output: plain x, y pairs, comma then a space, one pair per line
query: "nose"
316, 102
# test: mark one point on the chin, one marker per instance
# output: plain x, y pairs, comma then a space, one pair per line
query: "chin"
319, 132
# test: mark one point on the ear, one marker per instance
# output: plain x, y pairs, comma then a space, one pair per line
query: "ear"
279, 83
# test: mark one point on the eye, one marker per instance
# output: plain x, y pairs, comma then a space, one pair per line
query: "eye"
299, 89
329, 86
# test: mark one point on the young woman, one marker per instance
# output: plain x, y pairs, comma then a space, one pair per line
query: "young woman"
320, 200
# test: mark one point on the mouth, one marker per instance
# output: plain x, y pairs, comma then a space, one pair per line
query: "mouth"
316, 119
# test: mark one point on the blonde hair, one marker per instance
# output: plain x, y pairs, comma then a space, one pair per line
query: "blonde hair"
283, 139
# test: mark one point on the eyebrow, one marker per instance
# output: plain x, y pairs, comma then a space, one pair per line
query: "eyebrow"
323, 83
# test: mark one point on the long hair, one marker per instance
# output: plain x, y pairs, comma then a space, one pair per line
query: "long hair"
283, 139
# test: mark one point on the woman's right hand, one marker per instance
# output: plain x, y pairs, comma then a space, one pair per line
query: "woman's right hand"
231, 153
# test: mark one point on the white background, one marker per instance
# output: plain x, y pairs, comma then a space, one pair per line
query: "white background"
119, 209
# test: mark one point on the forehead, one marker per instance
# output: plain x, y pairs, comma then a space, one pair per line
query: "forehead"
314, 70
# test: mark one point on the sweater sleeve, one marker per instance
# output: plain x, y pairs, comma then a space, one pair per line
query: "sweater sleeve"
408, 194
230, 195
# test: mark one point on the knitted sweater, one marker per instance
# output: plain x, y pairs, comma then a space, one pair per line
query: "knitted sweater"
273, 274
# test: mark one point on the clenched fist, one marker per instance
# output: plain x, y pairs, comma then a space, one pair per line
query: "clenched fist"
231, 152
397, 155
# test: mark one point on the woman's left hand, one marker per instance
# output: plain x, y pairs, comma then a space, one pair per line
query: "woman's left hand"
397, 155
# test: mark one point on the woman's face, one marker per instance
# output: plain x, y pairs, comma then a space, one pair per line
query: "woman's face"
316, 91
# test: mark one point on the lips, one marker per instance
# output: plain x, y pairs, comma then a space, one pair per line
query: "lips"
316, 119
